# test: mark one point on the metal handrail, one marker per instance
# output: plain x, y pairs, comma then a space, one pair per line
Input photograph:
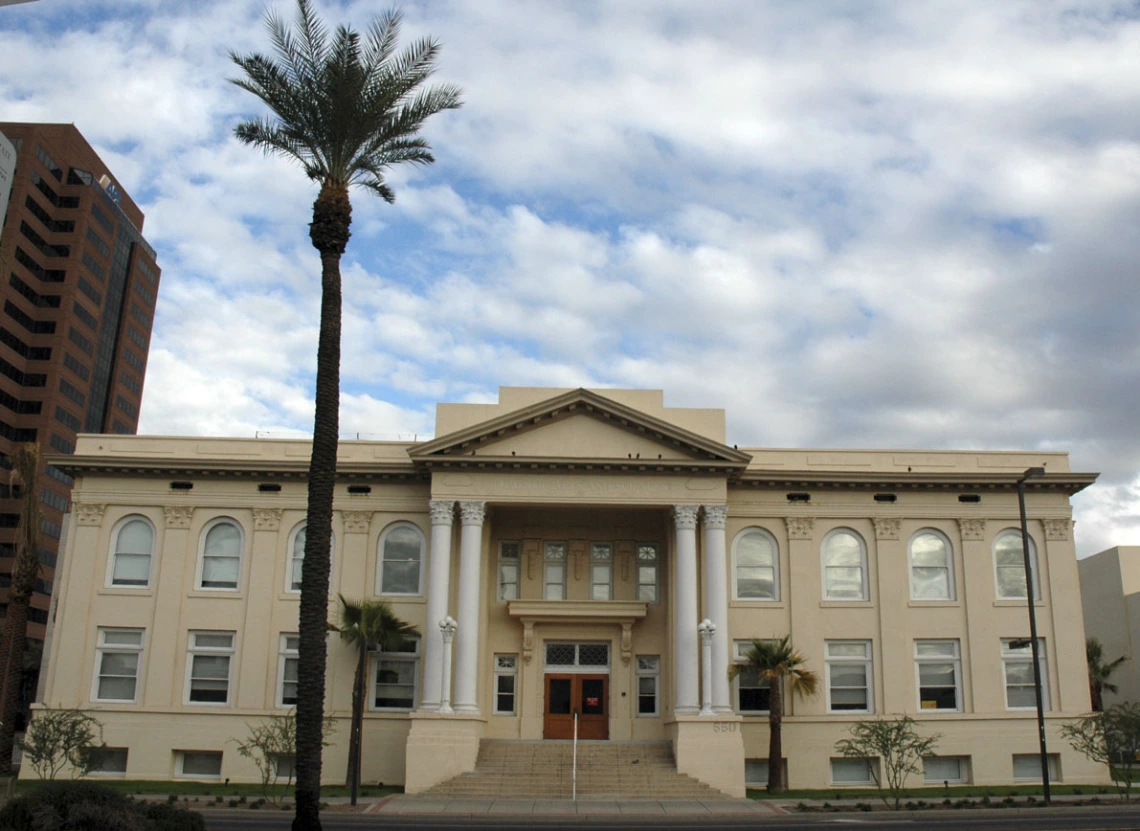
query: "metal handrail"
574, 769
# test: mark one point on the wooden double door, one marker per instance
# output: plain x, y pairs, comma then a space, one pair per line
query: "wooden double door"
586, 695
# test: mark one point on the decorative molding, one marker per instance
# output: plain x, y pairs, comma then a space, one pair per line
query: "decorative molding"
472, 513
626, 642
357, 522
178, 516
1057, 529
887, 528
89, 513
623, 553
972, 529
530, 554
528, 641
442, 511
685, 516
716, 516
267, 519
579, 553
799, 527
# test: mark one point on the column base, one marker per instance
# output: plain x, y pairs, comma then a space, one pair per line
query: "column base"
711, 750
440, 747
467, 709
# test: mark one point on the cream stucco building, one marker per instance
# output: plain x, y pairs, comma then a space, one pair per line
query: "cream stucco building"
578, 538
1110, 589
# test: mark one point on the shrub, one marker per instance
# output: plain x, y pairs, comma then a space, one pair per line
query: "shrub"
76, 806
166, 817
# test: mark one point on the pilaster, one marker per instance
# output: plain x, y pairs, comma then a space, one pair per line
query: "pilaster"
686, 687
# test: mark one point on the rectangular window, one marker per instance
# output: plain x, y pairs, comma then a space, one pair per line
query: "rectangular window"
77, 338
94, 267
198, 764
601, 571
939, 769
506, 678
288, 661
97, 241
648, 559
53, 500
394, 683
509, 570
648, 684
848, 674
108, 761
756, 773
1027, 766
752, 692
85, 316
554, 571
74, 364
67, 419
72, 393
1017, 667
211, 654
117, 661
938, 668
851, 771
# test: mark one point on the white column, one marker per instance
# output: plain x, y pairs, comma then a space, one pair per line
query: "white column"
685, 655
467, 638
439, 588
716, 604
447, 628
706, 629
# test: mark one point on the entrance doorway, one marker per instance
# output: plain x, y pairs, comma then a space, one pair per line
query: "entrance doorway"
586, 695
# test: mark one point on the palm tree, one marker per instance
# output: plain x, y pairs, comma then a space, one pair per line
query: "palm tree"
366, 624
776, 661
25, 570
1100, 672
347, 108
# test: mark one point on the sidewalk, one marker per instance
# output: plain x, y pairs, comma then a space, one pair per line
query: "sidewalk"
404, 804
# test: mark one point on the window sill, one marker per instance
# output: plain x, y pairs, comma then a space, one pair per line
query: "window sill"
933, 604
123, 591
757, 604
846, 604
400, 598
221, 594
1018, 604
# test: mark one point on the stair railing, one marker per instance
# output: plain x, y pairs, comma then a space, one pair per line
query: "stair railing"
574, 768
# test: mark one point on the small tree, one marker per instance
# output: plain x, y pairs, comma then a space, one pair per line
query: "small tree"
56, 738
272, 741
1100, 673
896, 744
1111, 738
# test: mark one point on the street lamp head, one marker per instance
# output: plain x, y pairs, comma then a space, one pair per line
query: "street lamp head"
1033, 473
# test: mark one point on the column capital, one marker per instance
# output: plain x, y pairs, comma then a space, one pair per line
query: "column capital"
972, 529
357, 522
1057, 529
267, 519
887, 528
442, 511
178, 516
799, 527
716, 516
472, 513
685, 516
89, 513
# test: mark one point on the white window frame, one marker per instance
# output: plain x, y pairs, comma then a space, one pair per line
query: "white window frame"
180, 761
604, 563
206, 529
739, 652
114, 552
291, 557
1024, 655
1052, 759
286, 653
867, 661
760, 780
771, 540
865, 595
506, 666
96, 751
402, 657
655, 564
193, 650
955, 660
505, 562
963, 771
103, 648
1034, 562
548, 562
380, 559
647, 666
871, 763
951, 589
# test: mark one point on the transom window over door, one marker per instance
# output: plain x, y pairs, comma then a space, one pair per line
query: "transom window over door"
133, 549
756, 564
562, 656
401, 560
220, 563
844, 566
1009, 561
931, 571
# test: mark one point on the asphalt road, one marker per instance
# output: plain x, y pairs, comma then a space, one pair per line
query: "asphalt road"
1076, 819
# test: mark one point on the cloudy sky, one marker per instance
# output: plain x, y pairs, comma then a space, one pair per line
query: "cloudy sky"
851, 224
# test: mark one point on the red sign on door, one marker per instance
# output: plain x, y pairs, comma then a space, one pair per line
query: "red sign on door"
591, 701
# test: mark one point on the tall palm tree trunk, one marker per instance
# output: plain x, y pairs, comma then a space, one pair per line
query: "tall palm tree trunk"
332, 216
356, 732
775, 738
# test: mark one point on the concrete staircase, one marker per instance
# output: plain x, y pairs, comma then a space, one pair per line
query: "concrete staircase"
606, 770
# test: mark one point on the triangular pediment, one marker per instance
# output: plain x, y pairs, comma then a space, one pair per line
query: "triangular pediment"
579, 427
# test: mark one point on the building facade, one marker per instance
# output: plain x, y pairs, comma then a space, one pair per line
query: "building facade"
79, 291
1110, 594
578, 539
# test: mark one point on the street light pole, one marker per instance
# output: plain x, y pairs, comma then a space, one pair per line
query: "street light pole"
1033, 473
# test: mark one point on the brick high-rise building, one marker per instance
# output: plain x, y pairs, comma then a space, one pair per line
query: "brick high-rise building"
78, 284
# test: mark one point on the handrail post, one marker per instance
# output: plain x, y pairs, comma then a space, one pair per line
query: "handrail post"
574, 768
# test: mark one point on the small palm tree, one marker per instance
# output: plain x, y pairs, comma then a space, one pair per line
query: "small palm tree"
346, 108
368, 624
1100, 672
776, 661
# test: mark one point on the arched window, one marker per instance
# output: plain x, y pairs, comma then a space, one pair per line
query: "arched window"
132, 547
931, 566
219, 565
1009, 563
401, 560
756, 564
297, 558
844, 566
